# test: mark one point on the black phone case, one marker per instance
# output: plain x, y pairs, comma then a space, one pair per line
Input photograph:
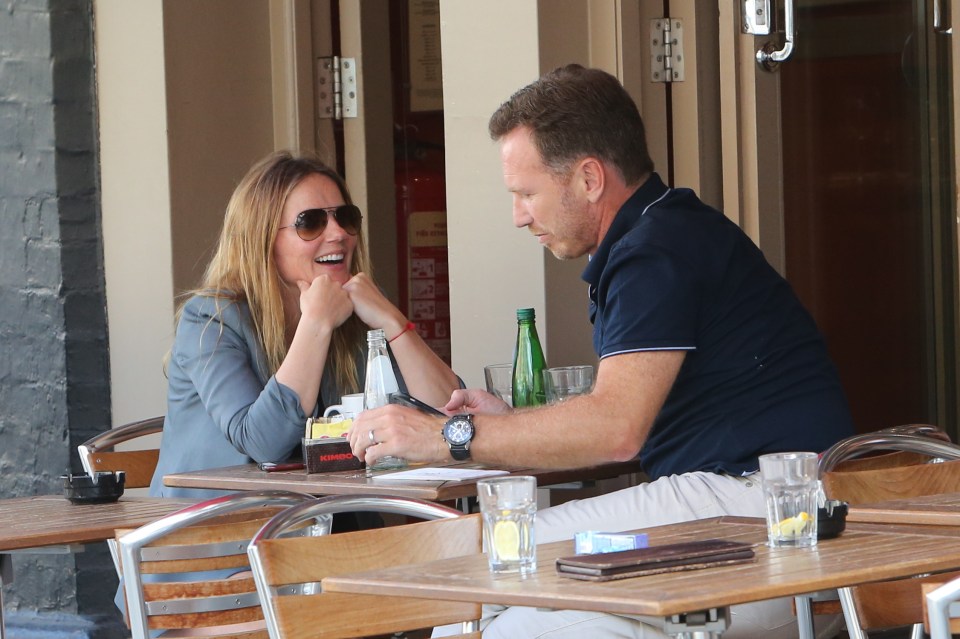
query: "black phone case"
406, 400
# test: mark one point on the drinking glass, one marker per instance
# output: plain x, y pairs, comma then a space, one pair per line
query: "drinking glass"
790, 490
567, 381
509, 509
499, 379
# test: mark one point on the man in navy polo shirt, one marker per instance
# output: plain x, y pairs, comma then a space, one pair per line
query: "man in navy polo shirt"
707, 358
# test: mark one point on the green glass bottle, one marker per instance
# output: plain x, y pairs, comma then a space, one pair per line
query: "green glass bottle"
528, 362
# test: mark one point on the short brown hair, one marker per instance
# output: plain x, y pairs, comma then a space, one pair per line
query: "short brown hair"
573, 112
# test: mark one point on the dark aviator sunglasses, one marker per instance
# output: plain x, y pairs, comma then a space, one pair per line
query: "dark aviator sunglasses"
312, 222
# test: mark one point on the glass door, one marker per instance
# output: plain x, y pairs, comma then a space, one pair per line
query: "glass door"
845, 167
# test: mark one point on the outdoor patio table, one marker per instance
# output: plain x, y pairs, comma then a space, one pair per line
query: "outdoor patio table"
49, 521
690, 601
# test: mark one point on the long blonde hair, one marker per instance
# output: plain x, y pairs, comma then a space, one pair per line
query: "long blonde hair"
243, 267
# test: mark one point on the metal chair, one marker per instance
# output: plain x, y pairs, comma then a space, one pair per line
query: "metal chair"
941, 605
288, 572
201, 552
98, 454
890, 603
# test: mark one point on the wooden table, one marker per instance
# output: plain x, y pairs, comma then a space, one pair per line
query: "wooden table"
249, 477
864, 553
943, 509
51, 520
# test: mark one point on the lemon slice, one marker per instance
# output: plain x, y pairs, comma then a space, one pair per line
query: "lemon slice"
792, 526
506, 539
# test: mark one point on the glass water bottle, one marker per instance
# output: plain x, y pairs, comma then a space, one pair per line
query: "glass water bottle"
528, 362
380, 382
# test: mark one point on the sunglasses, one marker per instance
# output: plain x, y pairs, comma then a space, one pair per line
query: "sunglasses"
311, 223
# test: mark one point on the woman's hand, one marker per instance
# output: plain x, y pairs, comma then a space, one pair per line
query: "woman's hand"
324, 301
375, 310
475, 401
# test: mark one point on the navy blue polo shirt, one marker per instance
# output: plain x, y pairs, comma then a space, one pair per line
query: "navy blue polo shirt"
675, 274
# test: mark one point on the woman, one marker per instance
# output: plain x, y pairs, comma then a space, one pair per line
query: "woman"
277, 331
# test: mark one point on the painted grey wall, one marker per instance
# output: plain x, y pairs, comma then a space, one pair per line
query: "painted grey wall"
54, 372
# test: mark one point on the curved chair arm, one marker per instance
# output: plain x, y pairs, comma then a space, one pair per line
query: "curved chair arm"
869, 442
212, 508
925, 430
110, 438
353, 503
939, 604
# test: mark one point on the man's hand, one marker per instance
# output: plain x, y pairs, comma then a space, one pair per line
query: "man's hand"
475, 401
398, 431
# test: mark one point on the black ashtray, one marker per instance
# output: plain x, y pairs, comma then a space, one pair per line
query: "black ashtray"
831, 519
101, 488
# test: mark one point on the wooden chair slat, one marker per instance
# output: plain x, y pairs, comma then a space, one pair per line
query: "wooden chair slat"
252, 616
137, 464
337, 615
302, 559
870, 486
188, 589
286, 561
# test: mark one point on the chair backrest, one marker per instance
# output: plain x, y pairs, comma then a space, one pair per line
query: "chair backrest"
186, 570
890, 603
287, 571
97, 453
900, 445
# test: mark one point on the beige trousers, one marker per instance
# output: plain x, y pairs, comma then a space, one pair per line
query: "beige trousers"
665, 501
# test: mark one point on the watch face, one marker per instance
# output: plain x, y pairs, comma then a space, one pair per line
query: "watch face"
459, 431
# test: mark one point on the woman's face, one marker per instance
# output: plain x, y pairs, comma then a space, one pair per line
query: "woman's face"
330, 253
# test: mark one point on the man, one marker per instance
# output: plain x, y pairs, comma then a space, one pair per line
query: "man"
707, 358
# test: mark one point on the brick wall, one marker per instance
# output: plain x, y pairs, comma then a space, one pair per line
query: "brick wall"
54, 365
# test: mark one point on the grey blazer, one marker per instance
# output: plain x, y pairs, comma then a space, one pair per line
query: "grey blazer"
223, 408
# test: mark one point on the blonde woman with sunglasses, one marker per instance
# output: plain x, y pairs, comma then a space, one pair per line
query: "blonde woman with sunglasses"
277, 331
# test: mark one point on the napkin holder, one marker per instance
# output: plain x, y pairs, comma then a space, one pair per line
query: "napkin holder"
329, 454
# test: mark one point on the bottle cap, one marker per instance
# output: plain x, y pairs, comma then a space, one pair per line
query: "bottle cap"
526, 314
376, 334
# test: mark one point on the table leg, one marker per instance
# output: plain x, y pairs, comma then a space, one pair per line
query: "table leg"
6, 574
804, 617
705, 624
468, 505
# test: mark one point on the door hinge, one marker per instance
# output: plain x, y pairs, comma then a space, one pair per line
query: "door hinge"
336, 88
756, 17
666, 50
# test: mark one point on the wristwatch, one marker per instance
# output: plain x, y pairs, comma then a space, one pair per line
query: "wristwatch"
458, 433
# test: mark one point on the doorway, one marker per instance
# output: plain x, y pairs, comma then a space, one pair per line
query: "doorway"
867, 203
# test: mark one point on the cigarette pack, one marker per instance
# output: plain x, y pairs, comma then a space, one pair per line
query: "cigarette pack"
329, 454
591, 542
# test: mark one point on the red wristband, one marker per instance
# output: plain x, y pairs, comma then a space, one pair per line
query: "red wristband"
410, 326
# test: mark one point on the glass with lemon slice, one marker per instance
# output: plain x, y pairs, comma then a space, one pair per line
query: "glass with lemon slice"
790, 489
509, 508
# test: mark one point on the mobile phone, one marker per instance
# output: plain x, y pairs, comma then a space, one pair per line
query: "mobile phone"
272, 467
405, 400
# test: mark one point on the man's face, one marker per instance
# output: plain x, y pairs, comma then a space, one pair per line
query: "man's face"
555, 210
